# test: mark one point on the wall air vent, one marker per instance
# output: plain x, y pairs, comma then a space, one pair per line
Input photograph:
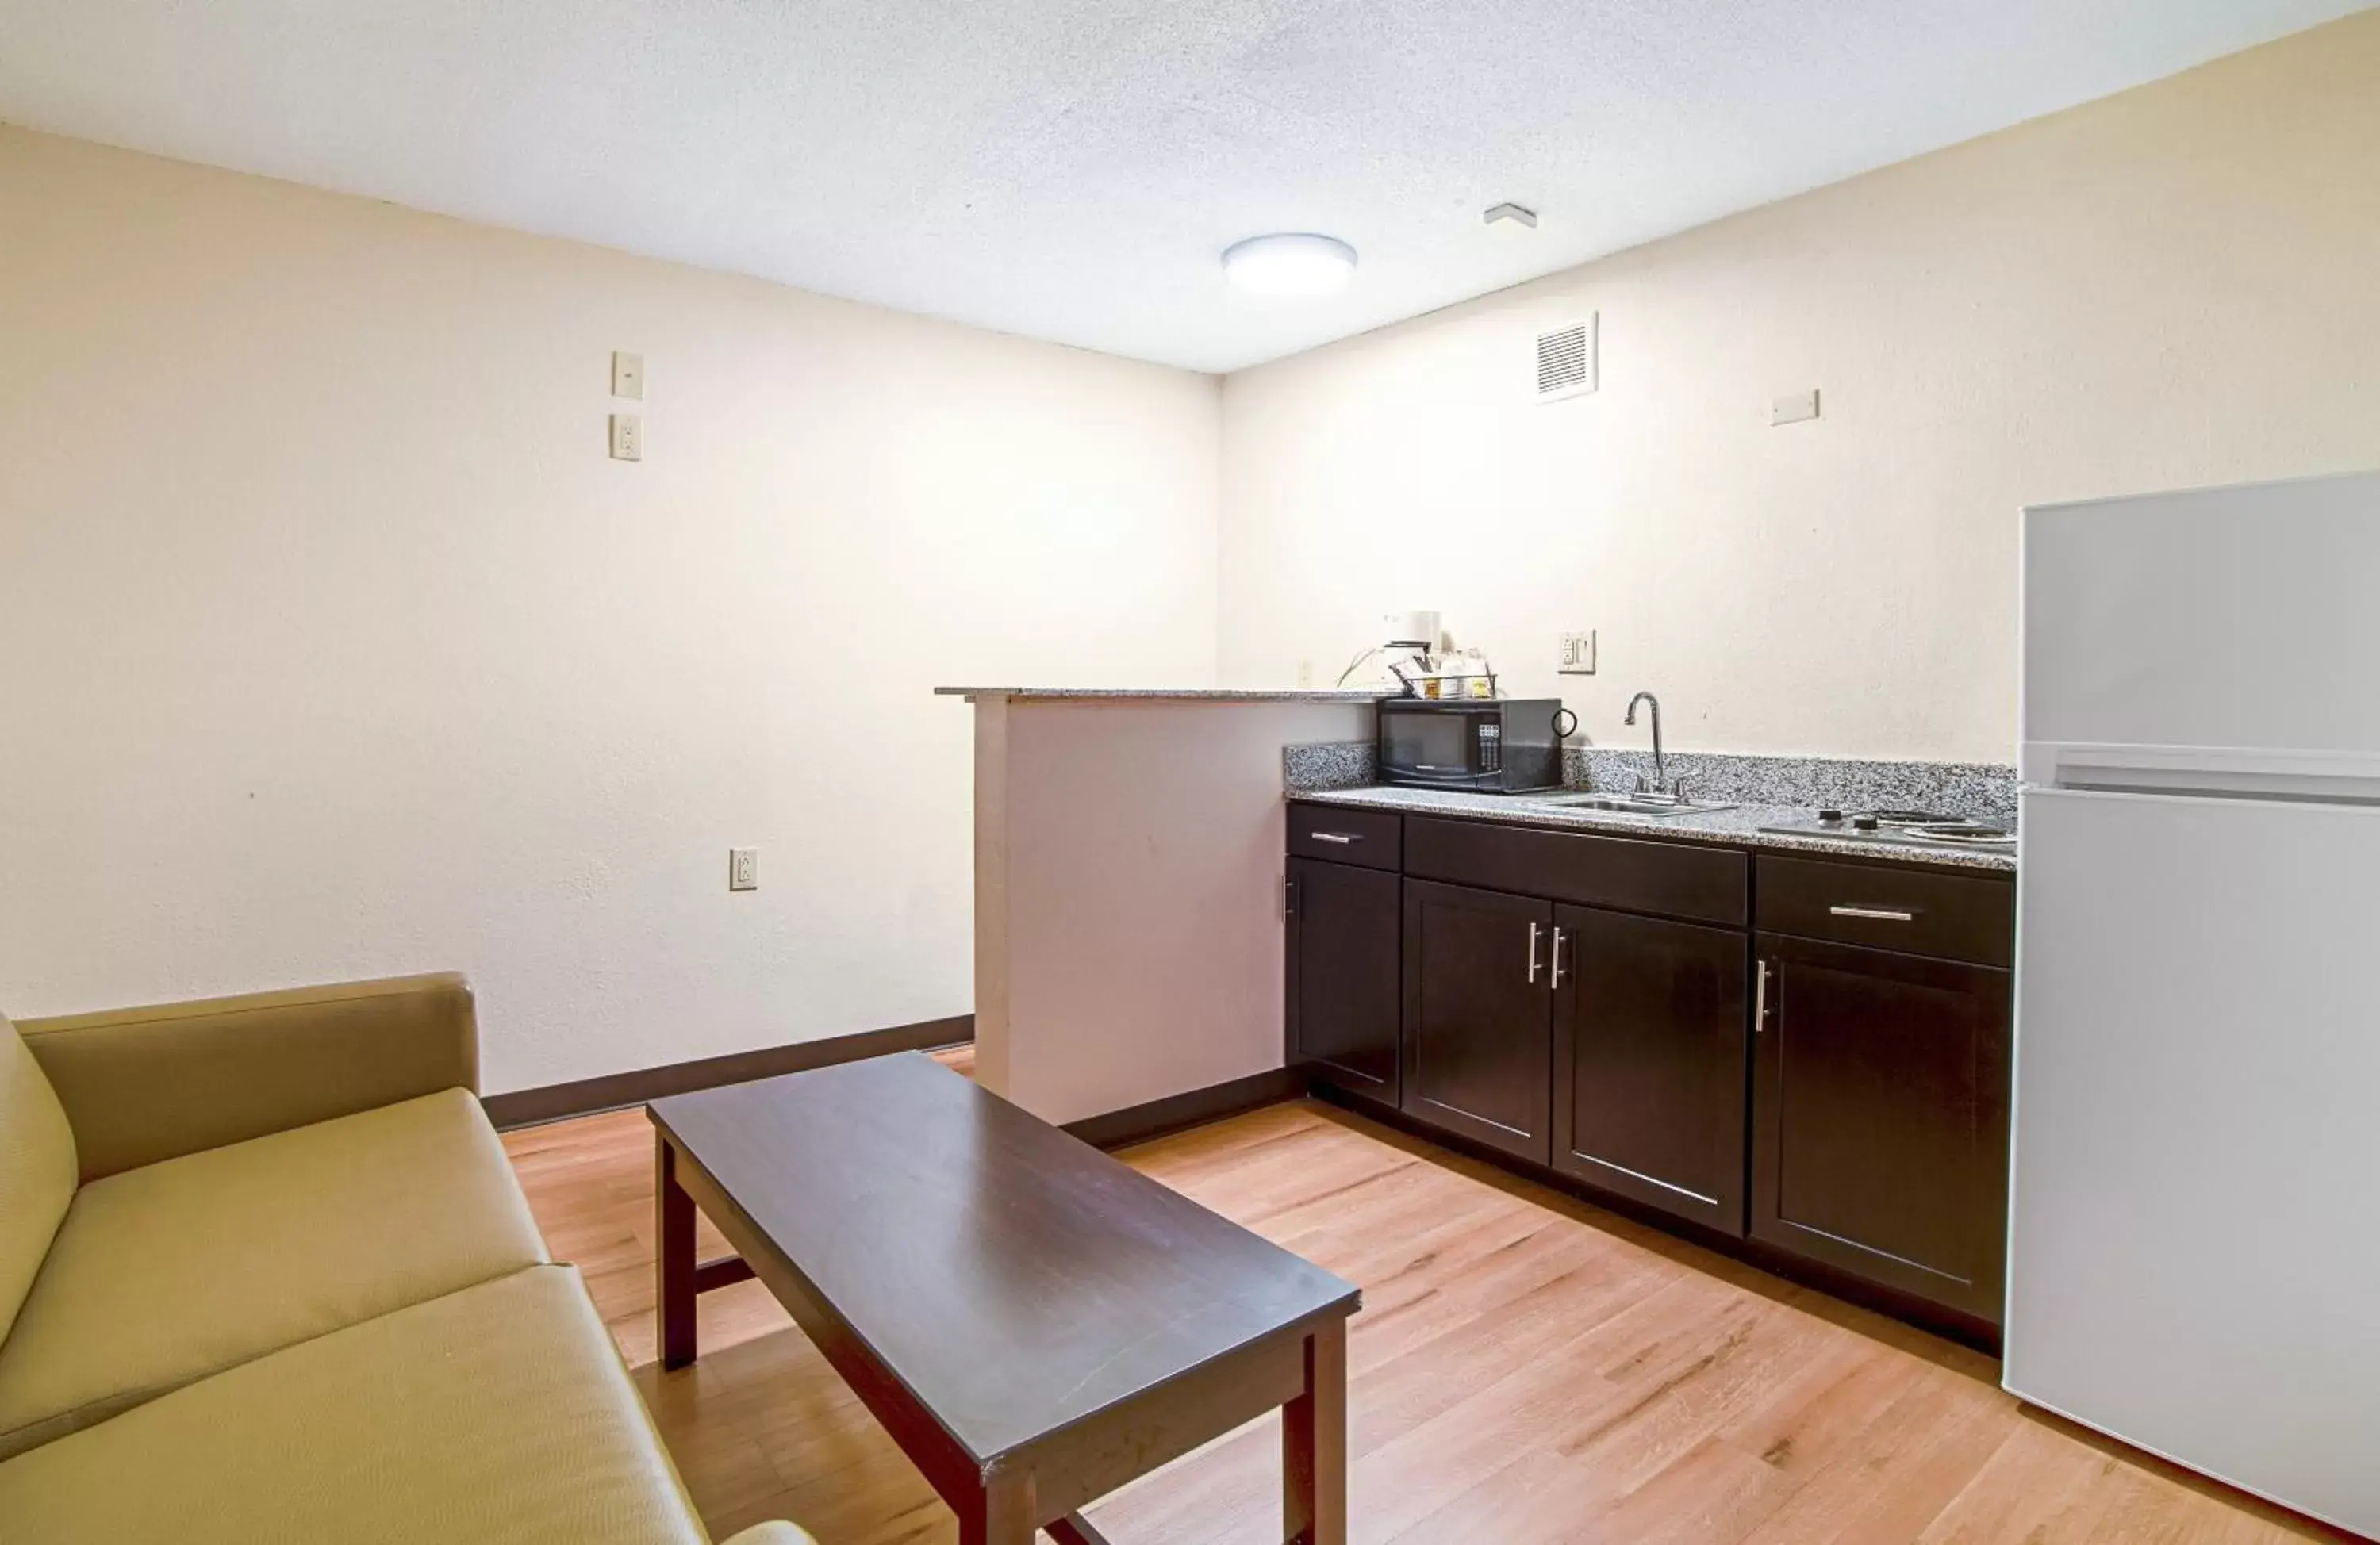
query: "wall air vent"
1566, 360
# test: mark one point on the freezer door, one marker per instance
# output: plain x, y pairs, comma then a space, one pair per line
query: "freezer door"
2228, 618
2194, 1264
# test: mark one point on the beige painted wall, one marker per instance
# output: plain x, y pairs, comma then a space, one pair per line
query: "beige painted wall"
2174, 286
331, 644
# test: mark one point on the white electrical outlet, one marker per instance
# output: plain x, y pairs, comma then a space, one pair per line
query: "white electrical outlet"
743, 868
1577, 653
627, 437
627, 374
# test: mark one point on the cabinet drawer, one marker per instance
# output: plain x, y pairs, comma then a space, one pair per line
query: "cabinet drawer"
1370, 838
1701, 885
1951, 917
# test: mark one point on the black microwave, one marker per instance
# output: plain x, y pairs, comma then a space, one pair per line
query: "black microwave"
1501, 745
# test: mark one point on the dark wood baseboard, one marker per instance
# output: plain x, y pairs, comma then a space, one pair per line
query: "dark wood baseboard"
1120, 1128
529, 1108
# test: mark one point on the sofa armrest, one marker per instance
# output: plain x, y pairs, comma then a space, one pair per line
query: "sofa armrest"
774, 1532
140, 1085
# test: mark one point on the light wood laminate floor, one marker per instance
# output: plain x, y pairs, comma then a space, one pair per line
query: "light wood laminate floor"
1526, 1371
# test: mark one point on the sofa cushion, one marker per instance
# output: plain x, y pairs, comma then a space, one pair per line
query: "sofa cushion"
36, 1171
499, 1414
175, 1271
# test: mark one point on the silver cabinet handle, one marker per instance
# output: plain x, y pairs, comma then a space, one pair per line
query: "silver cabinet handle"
1876, 914
1556, 982
1760, 1001
1342, 837
1533, 954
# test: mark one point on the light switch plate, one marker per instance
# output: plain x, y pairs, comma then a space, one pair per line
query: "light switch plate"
1798, 408
627, 374
627, 437
1577, 653
743, 868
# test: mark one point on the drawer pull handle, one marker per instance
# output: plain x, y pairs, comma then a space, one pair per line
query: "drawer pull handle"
1556, 983
1876, 914
1760, 1002
1533, 954
1342, 837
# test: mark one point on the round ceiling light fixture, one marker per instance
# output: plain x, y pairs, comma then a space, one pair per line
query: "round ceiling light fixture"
1289, 264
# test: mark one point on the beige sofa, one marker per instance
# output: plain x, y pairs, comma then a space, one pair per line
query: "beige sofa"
265, 1276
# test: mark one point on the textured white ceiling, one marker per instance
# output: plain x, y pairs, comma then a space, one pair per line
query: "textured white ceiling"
1071, 169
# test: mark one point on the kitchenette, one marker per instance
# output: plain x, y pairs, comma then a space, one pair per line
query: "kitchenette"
1762, 1000
2063, 1057
1777, 1032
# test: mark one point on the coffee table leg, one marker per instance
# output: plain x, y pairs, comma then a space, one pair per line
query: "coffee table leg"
1003, 1514
673, 1258
1313, 1444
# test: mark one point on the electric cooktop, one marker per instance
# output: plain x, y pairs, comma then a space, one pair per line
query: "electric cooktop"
1911, 829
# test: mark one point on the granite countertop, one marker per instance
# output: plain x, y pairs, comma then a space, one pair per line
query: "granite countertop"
1735, 827
1187, 695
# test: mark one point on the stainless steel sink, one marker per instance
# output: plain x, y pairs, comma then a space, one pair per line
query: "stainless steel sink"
1629, 804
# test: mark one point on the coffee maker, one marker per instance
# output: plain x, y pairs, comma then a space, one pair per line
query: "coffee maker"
1408, 650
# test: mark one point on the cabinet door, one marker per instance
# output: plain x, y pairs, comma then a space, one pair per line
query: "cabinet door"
1344, 998
1649, 1068
1478, 1020
1880, 1122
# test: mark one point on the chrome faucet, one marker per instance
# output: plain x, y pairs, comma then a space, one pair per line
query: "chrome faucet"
1660, 772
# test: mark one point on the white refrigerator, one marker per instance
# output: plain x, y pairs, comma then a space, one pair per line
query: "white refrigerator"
2194, 1203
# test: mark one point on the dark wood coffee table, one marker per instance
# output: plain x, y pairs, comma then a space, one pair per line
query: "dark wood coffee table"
1034, 1322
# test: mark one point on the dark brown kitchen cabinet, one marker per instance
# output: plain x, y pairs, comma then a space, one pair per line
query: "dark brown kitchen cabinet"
1345, 991
1648, 1071
1880, 1124
1479, 1015
1805, 1055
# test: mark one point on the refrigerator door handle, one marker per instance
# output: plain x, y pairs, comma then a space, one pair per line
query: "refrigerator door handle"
2220, 772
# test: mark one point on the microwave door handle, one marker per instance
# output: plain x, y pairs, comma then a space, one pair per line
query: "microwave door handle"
1433, 775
